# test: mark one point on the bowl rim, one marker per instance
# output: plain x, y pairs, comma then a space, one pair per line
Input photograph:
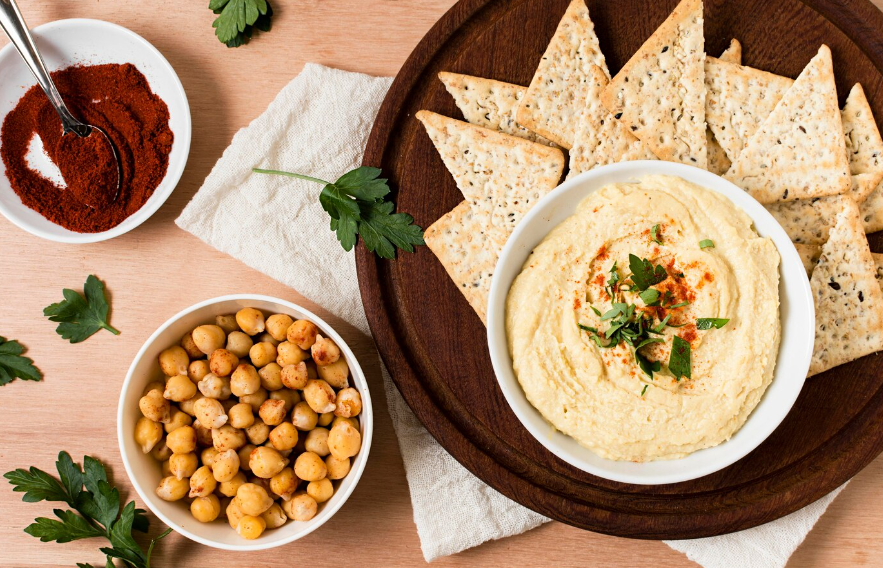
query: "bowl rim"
358, 466
171, 178
790, 269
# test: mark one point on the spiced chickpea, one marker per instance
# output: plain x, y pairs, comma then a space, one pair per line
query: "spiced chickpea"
354, 422
266, 462
227, 322
227, 438
226, 466
349, 403
288, 396
244, 455
222, 362
208, 338
174, 361
284, 436
147, 434
250, 527
238, 343
203, 434
154, 386
324, 351
271, 376
250, 320
300, 507
172, 489
284, 483
272, 412
230, 487
320, 396
303, 417
277, 325
228, 404
241, 415
189, 405
267, 338
166, 469
177, 420
311, 370
260, 481
321, 490
255, 399
205, 509
155, 407
183, 465
290, 354
295, 376
245, 380
262, 353
325, 419
202, 482
258, 432
302, 333
190, 347
213, 386
317, 442
274, 517
344, 441
197, 370
309, 467
338, 468
210, 413
336, 374
208, 455
234, 515
161, 451
179, 388
253, 499
182, 440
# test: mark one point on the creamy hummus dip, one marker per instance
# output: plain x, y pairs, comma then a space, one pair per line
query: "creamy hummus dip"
709, 269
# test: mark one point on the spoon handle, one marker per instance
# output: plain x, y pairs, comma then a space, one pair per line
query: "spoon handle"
14, 25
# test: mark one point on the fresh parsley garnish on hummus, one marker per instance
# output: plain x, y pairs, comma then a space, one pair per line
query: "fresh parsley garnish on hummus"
655, 236
645, 273
706, 243
708, 323
644, 390
679, 361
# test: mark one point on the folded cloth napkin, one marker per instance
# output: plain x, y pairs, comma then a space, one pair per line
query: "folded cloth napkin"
318, 125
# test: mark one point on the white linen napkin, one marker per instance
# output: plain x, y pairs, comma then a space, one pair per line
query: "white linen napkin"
318, 125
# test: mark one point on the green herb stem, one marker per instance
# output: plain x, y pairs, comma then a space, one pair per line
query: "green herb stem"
290, 174
153, 542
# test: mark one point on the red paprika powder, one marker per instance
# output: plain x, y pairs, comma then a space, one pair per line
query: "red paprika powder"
117, 99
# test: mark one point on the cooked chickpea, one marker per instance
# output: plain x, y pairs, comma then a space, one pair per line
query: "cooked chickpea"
301, 507
172, 489
324, 351
277, 325
349, 403
190, 347
311, 370
258, 432
154, 385
250, 320
155, 407
295, 376
188, 405
197, 370
303, 417
177, 420
284, 436
320, 396
228, 404
227, 438
232, 485
317, 442
182, 440
202, 482
288, 396
250, 527
222, 362
325, 418
320, 490
239, 343
336, 374
213, 386
147, 434
226, 466
302, 333
205, 509
272, 412
344, 441
208, 455
253, 499
244, 454
290, 354
271, 376
274, 517
234, 515
309, 467
265, 483
166, 469
266, 462
210, 413
174, 361
284, 483
203, 434
183, 465
267, 338
263, 353
255, 399
208, 338
227, 322
354, 422
245, 380
240, 415
179, 388
337, 468
161, 451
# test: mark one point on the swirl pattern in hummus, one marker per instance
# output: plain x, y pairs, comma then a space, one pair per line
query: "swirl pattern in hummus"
598, 396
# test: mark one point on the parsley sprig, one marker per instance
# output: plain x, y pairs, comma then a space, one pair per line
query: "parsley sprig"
237, 19
81, 317
95, 509
357, 205
14, 365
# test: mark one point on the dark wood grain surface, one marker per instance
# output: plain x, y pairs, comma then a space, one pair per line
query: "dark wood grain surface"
435, 346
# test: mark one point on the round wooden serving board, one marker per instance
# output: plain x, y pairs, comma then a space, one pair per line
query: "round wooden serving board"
435, 346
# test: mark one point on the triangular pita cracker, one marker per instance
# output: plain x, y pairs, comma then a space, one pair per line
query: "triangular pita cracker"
809, 256
872, 210
807, 221
738, 100
557, 92
799, 151
864, 147
848, 299
660, 93
489, 103
878, 265
601, 139
718, 162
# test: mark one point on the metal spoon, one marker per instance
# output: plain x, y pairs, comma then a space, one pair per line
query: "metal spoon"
12, 22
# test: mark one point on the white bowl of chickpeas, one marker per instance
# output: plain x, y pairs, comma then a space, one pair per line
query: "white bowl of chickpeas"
244, 422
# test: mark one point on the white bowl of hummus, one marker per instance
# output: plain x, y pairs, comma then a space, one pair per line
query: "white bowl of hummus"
650, 322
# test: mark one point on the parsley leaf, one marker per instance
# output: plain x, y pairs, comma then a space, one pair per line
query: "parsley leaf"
645, 273
95, 510
14, 365
237, 19
706, 243
646, 365
650, 297
643, 390
655, 236
679, 360
357, 205
81, 317
708, 323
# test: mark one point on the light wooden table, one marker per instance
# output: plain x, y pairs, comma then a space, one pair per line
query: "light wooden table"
159, 269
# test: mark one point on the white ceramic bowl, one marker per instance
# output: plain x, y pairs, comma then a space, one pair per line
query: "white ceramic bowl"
144, 471
68, 42
797, 315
